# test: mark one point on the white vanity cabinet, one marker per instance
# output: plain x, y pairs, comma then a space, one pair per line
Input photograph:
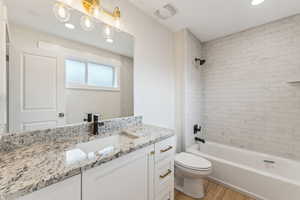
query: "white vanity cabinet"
69, 189
147, 174
128, 177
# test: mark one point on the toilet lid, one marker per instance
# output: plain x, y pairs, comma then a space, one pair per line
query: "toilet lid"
191, 161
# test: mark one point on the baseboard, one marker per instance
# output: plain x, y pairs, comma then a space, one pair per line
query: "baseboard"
236, 188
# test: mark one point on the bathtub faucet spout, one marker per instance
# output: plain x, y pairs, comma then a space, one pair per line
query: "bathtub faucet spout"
200, 140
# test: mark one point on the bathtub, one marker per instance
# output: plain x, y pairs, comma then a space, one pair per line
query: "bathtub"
261, 176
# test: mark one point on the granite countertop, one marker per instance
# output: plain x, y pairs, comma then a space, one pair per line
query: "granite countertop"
34, 167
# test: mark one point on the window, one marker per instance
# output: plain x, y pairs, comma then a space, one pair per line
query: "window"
89, 75
75, 72
100, 75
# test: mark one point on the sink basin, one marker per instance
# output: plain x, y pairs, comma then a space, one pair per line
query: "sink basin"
100, 144
105, 145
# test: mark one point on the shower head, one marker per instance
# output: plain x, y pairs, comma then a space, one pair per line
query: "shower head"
201, 61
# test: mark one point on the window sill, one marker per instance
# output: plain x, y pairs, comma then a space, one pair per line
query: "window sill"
89, 87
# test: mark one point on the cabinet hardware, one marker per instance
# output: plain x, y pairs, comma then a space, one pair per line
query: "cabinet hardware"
167, 174
269, 161
167, 149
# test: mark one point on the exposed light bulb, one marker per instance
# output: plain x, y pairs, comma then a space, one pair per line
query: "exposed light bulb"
61, 12
108, 34
118, 23
107, 30
256, 2
96, 12
87, 23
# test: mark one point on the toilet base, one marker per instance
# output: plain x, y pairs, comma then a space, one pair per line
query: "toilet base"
191, 187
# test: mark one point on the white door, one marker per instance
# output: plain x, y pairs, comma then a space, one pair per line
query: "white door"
36, 90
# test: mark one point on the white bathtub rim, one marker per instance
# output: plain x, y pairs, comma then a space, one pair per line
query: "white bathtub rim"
194, 150
290, 161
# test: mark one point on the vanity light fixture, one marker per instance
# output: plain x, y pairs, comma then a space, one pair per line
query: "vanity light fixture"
116, 15
257, 2
92, 9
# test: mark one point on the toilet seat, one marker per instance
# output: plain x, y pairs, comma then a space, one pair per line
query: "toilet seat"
192, 162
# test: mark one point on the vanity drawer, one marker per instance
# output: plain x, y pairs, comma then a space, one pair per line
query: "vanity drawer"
164, 195
165, 149
164, 177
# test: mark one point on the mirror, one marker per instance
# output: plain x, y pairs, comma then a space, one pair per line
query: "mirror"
58, 72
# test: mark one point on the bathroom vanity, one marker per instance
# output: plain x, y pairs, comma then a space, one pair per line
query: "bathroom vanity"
53, 75
135, 163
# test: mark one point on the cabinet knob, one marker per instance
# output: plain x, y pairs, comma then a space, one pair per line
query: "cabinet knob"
61, 115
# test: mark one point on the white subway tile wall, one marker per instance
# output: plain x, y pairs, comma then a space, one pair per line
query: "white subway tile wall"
247, 100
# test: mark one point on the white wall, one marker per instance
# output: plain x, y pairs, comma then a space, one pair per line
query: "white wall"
189, 84
110, 104
127, 87
180, 55
154, 83
80, 102
248, 102
154, 72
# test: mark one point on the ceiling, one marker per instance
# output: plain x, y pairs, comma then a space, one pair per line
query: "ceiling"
38, 15
211, 19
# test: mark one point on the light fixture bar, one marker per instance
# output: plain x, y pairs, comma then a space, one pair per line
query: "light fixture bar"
115, 14
90, 5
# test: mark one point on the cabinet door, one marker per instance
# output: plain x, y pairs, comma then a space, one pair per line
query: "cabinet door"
123, 178
69, 189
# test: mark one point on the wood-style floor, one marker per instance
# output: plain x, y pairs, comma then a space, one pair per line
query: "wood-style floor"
215, 191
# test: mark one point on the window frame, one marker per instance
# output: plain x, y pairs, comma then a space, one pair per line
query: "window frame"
86, 86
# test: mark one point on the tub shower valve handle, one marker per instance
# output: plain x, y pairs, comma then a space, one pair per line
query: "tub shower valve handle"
197, 129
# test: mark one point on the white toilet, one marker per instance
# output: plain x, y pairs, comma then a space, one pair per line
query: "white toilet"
189, 173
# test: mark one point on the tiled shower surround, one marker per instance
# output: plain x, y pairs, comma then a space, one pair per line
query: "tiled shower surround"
248, 101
